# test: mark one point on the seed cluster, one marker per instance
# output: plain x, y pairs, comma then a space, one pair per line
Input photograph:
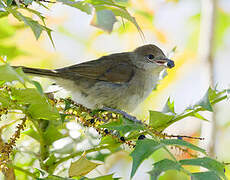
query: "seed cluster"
89, 118
6, 148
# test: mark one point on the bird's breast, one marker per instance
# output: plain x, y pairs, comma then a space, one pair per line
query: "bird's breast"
139, 89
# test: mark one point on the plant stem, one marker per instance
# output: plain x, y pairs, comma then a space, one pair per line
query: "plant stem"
190, 113
44, 148
24, 171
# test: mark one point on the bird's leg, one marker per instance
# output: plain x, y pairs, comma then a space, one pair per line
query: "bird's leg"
126, 115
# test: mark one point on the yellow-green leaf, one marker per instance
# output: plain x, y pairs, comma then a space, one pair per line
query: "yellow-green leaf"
81, 167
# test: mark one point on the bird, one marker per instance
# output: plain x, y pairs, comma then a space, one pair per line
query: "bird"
117, 82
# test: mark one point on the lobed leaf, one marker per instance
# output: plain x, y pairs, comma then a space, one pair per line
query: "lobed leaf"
159, 120
144, 148
206, 162
34, 25
205, 101
162, 166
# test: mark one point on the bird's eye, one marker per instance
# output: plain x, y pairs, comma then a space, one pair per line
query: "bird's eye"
150, 56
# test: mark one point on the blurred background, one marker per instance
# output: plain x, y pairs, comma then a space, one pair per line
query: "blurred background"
165, 23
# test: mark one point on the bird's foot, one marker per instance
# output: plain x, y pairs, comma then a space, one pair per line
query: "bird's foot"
126, 115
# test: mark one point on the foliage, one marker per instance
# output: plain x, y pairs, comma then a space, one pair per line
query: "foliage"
45, 114
43, 118
104, 13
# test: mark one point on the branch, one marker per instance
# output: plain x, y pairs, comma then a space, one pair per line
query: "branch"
198, 109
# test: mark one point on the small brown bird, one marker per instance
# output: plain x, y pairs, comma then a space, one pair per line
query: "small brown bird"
117, 81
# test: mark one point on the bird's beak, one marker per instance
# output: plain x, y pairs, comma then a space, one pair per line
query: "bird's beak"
165, 62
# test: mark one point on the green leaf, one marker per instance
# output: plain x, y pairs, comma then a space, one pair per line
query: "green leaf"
212, 94
36, 13
38, 105
9, 2
144, 148
38, 86
209, 175
181, 142
162, 166
108, 140
32, 133
5, 99
169, 107
104, 19
52, 134
8, 74
159, 120
34, 25
81, 167
114, 145
208, 163
205, 101
117, 10
81, 5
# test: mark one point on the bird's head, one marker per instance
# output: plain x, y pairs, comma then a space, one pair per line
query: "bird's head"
151, 57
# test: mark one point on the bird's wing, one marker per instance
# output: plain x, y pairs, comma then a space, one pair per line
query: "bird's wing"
115, 69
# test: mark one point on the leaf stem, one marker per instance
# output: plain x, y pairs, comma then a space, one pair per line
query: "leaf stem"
24, 171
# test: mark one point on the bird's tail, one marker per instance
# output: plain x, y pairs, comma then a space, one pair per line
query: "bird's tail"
39, 72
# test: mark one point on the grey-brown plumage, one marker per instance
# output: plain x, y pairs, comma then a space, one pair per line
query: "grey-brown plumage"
121, 80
